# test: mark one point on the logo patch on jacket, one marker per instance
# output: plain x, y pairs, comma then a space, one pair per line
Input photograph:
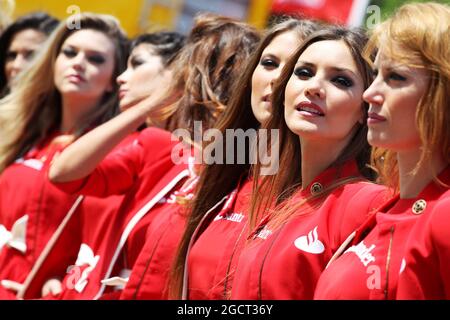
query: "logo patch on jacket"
310, 243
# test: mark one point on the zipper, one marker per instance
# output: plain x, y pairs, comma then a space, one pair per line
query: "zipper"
388, 261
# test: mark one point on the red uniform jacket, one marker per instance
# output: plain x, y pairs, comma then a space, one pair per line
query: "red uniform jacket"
148, 279
370, 268
145, 173
425, 271
31, 209
212, 258
286, 263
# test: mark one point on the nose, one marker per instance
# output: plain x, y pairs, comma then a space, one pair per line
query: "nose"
373, 95
275, 75
18, 63
315, 89
122, 78
79, 62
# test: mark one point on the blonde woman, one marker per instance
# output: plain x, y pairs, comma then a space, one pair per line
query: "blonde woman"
402, 250
70, 88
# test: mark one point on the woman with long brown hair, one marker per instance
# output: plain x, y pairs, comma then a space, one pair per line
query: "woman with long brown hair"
301, 214
204, 73
69, 89
402, 250
211, 242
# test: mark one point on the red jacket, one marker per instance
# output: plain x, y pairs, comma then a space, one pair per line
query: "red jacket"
286, 263
31, 209
425, 270
370, 268
145, 173
213, 255
148, 279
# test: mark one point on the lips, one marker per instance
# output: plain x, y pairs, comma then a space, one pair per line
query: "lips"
122, 93
75, 78
310, 109
373, 117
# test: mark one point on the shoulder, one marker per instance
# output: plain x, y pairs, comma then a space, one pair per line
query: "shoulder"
156, 139
366, 193
439, 221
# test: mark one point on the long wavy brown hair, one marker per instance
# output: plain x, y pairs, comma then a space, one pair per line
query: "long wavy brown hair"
33, 109
206, 69
272, 191
422, 32
239, 115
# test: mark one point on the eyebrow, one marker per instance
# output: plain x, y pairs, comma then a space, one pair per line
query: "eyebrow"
309, 64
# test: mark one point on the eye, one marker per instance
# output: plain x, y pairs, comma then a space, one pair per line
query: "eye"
136, 62
303, 72
69, 52
396, 77
269, 63
11, 55
29, 54
343, 81
96, 59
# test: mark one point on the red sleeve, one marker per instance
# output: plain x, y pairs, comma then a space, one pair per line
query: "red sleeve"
440, 235
117, 173
424, 274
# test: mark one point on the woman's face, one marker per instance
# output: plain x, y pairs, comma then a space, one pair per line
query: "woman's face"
323, 97
273, 58
145, 74
84, 66
393, 97
23, 45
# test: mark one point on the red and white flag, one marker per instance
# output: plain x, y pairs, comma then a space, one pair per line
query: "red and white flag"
348, 12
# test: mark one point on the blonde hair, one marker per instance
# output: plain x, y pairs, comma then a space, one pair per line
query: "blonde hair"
33, 108
418, 35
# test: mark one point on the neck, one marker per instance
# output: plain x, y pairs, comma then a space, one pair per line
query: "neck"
411, 184
318, 156
73, 110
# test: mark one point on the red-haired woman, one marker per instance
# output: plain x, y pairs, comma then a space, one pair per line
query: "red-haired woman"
402, 250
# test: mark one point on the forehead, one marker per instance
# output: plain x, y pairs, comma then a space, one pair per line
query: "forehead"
285, 42
27, 37
144, 48
90, 40
330, 53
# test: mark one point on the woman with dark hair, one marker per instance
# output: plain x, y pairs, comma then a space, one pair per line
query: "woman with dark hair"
321, 192
151, 56
19, 43
402, 250
210, 245
204, 72
69, 89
